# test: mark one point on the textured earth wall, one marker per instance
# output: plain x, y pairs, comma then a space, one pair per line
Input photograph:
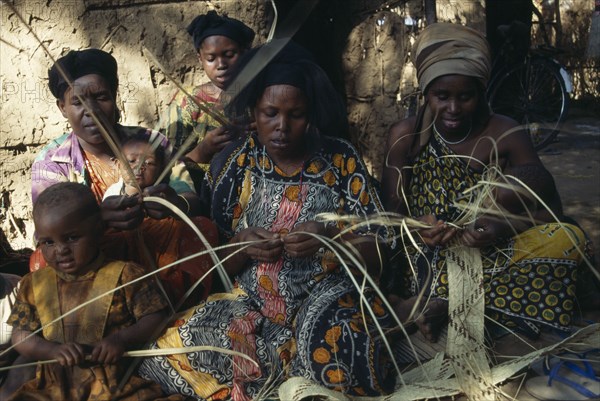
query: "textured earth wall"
29, 114
373, 38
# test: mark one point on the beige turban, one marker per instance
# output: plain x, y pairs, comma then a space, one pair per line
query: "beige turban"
443, 49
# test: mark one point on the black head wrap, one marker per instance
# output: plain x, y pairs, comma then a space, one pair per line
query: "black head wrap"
78, 63
285, 74
292, 65
211, 23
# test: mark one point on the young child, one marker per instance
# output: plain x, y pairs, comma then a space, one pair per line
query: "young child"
147, 165
89, 343
169, 238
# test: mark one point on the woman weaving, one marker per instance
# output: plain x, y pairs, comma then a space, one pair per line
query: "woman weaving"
437, 156
294, 309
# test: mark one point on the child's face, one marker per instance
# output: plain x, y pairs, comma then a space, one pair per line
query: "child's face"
143, 162
69, 239
96, 93
218, 54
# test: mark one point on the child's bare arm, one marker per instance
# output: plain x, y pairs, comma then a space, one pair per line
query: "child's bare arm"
39, 349
111, 348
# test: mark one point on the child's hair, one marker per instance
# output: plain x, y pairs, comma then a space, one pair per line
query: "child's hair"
59, 194
142, 136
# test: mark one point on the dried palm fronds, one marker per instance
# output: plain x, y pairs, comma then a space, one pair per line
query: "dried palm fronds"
147, 353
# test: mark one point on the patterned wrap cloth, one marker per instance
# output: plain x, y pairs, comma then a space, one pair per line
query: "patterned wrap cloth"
184, 118
295, 316
529, 279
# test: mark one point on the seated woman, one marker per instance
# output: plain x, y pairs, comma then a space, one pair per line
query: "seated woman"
530, 265
84, 155
220, 41
294, 310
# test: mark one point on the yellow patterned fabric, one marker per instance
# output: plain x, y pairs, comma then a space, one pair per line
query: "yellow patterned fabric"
529, 279
47, 301
87, 381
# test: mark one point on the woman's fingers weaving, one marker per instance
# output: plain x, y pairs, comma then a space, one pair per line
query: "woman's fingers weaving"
264, 246
122, 212
300, 243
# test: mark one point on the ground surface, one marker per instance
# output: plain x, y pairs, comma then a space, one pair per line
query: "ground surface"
574, 161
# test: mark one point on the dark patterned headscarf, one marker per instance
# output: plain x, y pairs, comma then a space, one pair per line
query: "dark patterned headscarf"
211, 23
78, 63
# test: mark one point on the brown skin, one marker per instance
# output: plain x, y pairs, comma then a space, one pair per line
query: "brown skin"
117, 212
146, 175
143, 163
69, 239
218, 55
455, 99
107, 351
96, 93
281, 119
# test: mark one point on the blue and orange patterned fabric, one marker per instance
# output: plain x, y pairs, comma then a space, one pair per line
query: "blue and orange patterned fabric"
294, 316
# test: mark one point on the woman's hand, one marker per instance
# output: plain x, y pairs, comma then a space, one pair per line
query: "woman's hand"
484, 232
214, 141
122, 212
298, 244
268, 246
439, 233
108, 351
69, 354
156, 210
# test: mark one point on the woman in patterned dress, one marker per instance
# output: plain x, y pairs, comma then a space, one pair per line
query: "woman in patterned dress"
530, 265
294, 310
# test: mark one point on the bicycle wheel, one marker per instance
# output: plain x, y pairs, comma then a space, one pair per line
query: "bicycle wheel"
535, 95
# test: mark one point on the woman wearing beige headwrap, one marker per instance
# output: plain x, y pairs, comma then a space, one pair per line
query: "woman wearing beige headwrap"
433, 161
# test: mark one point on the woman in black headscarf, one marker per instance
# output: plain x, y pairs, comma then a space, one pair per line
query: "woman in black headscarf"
294, 310
219, 42
83, 155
